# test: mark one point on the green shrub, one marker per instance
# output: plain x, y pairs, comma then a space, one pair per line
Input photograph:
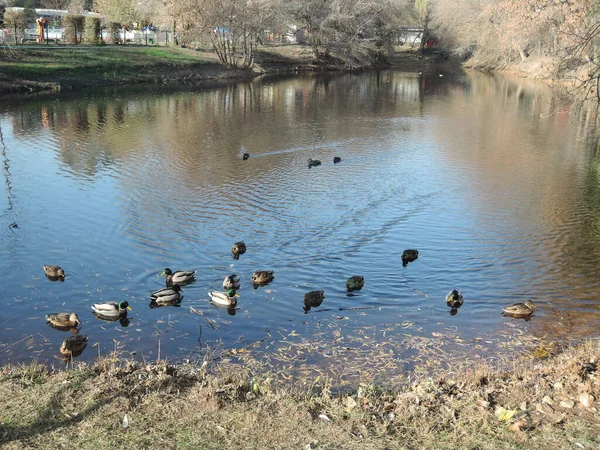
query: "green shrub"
92, 31
74, 26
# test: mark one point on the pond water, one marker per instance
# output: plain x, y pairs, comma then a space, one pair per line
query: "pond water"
493, 180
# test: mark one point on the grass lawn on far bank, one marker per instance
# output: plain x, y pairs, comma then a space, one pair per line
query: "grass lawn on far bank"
72, 67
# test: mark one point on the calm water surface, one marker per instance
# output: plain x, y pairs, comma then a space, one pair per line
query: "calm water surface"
495, 184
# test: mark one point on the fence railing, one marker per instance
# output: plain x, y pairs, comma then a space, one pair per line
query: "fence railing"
67, 35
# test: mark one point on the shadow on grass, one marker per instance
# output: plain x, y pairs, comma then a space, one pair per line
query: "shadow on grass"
122, 386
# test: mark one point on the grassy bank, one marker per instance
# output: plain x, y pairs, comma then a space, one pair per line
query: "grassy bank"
40, 68
549, 403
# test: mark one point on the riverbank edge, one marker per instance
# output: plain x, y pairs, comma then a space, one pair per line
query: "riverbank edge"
208, 69
115, 403
542, 69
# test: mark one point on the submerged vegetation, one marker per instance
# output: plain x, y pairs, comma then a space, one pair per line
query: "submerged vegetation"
550, 402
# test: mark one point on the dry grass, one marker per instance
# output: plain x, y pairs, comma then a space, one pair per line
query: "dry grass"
185, 407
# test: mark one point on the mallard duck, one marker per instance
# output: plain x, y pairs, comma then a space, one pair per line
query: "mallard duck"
355, 283
454, 298
313, 162
166, 295
54, 272
313, 299
409, 256
337, 159
261, 277
231, 282
519, 309
177, 277
63, 321
239, 248
73, 345
111, 310
226, 299
246, 156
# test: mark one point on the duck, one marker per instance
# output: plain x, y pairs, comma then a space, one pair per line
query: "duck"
313, 162
239, 248
63, 321
73, 345
246, 156
454, 298
227, 299
178, 277
231, 282
519, 309
54, 272
111, 310
166, 295
261, 277
313, 299
355, 283
409, 255
337, 159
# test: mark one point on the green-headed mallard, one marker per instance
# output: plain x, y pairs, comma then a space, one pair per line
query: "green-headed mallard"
178, 277
73, 345
237, 249
519, 309
54, 272
261, 277
313, 299
313, 162
231, 282
409, 256
227, 299
355, 283
111, 310
454, 298
63, 321
166, 295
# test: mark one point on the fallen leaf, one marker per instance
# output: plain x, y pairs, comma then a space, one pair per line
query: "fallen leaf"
505, 414
586, 399
350, 404
548, 400
567, 403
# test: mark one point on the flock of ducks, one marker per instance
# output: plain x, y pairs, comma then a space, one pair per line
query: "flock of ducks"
311, 162
172, 295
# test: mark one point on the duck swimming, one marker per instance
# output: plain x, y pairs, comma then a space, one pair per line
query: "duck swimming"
454, 298
227, 299
262, 277
177, 277
54, 272
111, 310
63, 321
166, 295
519, 309
313, 163
313, 299
355, 283
237, 249
409, 256
73, 345
231, 282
